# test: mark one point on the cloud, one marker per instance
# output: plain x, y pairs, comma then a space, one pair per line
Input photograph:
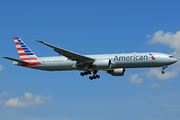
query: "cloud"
153, 72
170, 39
155, 85
157, 73
1, 101
173, 40
135, 78
2, 67
3, 94
27, 100
148, 36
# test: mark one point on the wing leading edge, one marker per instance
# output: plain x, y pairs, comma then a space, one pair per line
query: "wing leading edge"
70, 55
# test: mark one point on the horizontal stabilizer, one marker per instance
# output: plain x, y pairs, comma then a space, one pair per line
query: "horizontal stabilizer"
20, 61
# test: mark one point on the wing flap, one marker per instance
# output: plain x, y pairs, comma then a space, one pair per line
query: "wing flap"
70, 55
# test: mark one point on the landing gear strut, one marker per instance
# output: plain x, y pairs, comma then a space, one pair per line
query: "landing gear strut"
163, 68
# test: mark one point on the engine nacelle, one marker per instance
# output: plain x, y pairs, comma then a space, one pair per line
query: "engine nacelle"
117, 72
101, 64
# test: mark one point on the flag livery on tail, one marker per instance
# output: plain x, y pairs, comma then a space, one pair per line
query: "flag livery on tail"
25, 53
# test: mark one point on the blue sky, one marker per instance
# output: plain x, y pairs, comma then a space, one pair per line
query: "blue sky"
90, 27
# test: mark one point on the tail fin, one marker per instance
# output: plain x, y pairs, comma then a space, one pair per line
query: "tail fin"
24, 52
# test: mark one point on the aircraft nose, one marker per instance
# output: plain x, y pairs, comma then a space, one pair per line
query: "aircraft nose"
175, 60
172, 59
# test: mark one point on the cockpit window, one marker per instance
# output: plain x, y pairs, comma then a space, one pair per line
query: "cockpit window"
171, 56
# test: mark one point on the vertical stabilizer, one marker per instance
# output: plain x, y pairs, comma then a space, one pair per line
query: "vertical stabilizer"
24, 52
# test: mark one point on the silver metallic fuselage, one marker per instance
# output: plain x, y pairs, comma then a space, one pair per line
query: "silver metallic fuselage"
126, 60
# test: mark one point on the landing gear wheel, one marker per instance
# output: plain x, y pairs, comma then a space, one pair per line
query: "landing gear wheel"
85, 73
91, 78
97, 76
82, 74
94, 76
162, 72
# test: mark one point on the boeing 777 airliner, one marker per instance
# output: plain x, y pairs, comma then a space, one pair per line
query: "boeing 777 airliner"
114, 64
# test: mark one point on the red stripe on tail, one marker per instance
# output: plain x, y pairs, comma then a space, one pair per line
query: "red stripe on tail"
22, 54
19, 48
17, 43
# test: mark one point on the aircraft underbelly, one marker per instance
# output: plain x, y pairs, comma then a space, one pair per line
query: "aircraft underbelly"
58, 66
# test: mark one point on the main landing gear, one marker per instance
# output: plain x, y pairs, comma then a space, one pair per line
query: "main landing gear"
89, 72
85, 73
94, 75
163, 68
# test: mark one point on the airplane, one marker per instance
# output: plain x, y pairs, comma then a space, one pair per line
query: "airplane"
114, 64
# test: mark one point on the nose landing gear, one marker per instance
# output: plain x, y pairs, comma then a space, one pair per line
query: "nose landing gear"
163, 68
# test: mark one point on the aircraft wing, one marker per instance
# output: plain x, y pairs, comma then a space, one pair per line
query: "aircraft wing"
70, 55
20, 61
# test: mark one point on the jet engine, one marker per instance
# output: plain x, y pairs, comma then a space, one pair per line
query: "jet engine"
101, 64
117, 72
